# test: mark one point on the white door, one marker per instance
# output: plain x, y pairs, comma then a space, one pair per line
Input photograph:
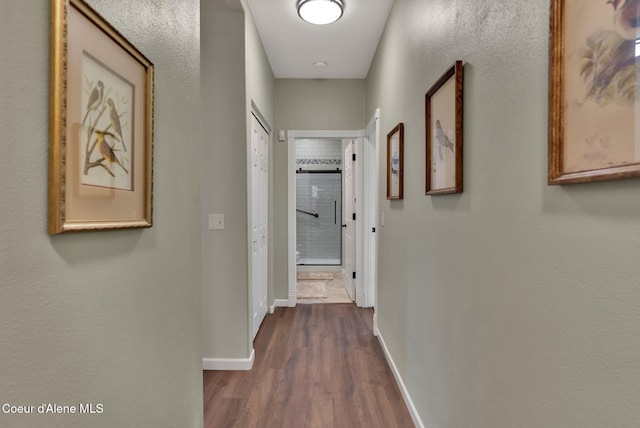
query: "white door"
259, 220
349, 210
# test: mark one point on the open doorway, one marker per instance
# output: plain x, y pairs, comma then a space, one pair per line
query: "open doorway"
319, 169
361, 239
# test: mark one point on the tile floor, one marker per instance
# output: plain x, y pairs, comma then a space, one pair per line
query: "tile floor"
336, 292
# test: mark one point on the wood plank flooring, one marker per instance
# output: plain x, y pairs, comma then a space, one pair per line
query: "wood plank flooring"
316, 366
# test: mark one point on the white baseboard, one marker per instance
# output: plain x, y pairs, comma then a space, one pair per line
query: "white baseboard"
229, 363
278, 303
292, 300
360, 299
403, 389
375, 325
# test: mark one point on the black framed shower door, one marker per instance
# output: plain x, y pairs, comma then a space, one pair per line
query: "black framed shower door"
319, 217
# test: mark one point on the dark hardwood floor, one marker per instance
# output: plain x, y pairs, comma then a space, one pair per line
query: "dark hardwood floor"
316, 366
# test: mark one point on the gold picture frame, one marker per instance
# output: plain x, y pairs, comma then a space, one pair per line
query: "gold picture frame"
101, 125
395, 162
593, 103
443, 119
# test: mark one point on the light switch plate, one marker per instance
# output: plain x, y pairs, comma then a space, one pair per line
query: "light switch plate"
216, 221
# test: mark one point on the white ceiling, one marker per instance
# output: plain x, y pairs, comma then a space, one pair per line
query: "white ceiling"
293, 45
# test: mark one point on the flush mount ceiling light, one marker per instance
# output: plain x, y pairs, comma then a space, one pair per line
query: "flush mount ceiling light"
320, 12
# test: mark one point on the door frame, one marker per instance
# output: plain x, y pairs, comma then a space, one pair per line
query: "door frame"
292, 135
349, 207
371, 164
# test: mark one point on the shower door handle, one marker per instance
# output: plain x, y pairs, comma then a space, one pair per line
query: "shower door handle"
316, 215
335, 212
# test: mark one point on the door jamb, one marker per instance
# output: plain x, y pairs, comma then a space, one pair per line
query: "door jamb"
370, 212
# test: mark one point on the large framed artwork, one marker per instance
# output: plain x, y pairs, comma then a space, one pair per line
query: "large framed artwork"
443, 107
594, 113
101, 125
395, 162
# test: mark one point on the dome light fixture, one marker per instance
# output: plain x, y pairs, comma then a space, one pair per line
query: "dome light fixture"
320, 12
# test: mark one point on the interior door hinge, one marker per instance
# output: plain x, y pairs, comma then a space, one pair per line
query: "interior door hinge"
353, 275
353, 216
353, 157
373, 229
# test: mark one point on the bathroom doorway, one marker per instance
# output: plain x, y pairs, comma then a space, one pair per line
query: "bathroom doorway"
319, 221
323, 154
319, 202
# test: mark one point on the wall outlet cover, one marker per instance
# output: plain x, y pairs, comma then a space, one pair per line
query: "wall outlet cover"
216, 221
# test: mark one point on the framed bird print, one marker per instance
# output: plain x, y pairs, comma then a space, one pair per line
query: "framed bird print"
101, 125
395, 162
594, 109
443, 107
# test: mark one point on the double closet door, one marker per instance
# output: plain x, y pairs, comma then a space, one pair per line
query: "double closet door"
259, 221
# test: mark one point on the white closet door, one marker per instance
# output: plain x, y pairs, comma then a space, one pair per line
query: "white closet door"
259, 220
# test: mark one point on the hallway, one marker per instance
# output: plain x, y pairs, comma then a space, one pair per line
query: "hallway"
316, 366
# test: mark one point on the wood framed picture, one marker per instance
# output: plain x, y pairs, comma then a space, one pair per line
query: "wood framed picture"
594, 113
443, 106
395, 161
101, 125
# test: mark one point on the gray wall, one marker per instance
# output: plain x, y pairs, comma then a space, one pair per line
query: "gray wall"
110, 317
224, 257
514, 303
235, 73
302, 104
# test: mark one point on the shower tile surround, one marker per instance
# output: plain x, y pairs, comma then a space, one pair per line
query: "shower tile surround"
318, 154
319, 240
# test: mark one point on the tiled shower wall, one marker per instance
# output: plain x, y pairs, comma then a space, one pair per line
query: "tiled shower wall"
319, 238
318, 154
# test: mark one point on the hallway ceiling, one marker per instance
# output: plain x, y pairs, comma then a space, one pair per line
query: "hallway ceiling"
346, 46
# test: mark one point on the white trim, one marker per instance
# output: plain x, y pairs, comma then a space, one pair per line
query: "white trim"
249, 214
372, 121
291, 215
375, 324
396, 374
278, 303
244, 364
359, 223
371, 162
258, 114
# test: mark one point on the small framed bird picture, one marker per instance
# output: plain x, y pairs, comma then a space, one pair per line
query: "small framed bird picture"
101, 125
395, 162
594, 120
443, 109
